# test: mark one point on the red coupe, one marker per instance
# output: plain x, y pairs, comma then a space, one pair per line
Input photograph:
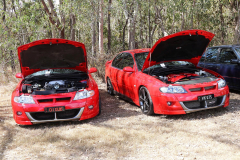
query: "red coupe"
55, 85
165, 79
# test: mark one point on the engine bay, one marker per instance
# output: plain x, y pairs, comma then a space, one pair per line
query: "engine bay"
181, 75
44, 85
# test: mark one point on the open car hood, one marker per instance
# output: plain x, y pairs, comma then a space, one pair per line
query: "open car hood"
186, 45
52, 54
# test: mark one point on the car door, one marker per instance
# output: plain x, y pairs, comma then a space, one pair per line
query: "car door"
114, 71
237, 68
128, 78
209, 59
229, 71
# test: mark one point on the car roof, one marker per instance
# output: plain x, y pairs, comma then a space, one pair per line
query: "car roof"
136, 51
226, 46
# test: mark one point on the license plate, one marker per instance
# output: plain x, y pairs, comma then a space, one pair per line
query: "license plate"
54, 109
206, 97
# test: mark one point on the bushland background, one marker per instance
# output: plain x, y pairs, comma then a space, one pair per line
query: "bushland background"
107, 27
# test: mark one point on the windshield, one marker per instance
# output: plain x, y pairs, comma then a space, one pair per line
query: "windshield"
53, 72
237, 49
141, 57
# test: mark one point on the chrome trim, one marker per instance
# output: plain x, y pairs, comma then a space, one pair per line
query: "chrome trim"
187, 110
34, 121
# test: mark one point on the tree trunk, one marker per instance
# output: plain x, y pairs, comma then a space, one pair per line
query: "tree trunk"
4, 10
123, 38
53, 18
149, 26
183, 21
141, 29
93, 28
14, 9
72, 26
12, 61
222, 22
109, 26
101, 49
236, 36
171, 32
62, 29
193, 5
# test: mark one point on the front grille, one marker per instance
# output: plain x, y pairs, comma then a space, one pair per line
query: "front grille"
209, 103
59, 115
67, 99
67, 114
201, 89
45, 100
195, 89
43, 116
209, 88
54, 100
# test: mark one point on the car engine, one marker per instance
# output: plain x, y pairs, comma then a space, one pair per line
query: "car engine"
184, 75
46, 87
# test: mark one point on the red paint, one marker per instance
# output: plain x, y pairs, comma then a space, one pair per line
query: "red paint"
129, 83
72, 104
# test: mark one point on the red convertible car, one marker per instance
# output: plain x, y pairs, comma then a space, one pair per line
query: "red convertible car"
55, 85
165, 79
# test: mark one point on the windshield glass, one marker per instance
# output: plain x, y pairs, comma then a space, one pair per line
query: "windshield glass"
237, 49
141, 57
53, 72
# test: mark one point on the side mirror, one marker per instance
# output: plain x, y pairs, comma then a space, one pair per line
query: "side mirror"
18, 75
92, 70
128, 69
235, 61
108, 61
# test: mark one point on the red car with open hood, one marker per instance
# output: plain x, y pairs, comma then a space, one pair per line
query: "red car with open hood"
55, 85
165, 79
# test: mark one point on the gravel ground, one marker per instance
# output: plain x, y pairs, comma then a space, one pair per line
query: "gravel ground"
123, 132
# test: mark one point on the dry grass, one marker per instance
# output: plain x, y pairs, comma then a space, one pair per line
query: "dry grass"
123, 132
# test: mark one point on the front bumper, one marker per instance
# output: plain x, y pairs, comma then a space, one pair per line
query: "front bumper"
74, 110
187, 103
55, 119
205, 106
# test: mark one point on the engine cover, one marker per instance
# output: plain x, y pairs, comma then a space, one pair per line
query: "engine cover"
176, 77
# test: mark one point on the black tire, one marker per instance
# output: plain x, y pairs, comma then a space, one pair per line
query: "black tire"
100, 106
145, 101
110, 89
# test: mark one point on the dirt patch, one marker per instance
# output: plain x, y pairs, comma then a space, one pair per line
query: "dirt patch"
123, 132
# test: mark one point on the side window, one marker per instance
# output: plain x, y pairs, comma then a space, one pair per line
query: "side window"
127, 61
210, 55
123, 60
226, 55
117, 60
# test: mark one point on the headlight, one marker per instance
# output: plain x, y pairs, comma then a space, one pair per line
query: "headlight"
221, 83
24, 99
83, 94
173, 89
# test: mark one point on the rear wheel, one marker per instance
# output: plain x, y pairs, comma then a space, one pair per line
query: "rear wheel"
109, 87
145, 101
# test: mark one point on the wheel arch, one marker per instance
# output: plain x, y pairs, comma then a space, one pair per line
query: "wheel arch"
140, 86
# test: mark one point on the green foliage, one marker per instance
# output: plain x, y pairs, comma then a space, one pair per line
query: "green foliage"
27, 21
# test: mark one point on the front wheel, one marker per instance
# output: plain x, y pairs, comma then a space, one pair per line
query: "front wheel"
109, 87
145, 101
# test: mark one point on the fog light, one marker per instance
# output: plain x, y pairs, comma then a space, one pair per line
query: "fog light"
169, 103
19, 113
90, 107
